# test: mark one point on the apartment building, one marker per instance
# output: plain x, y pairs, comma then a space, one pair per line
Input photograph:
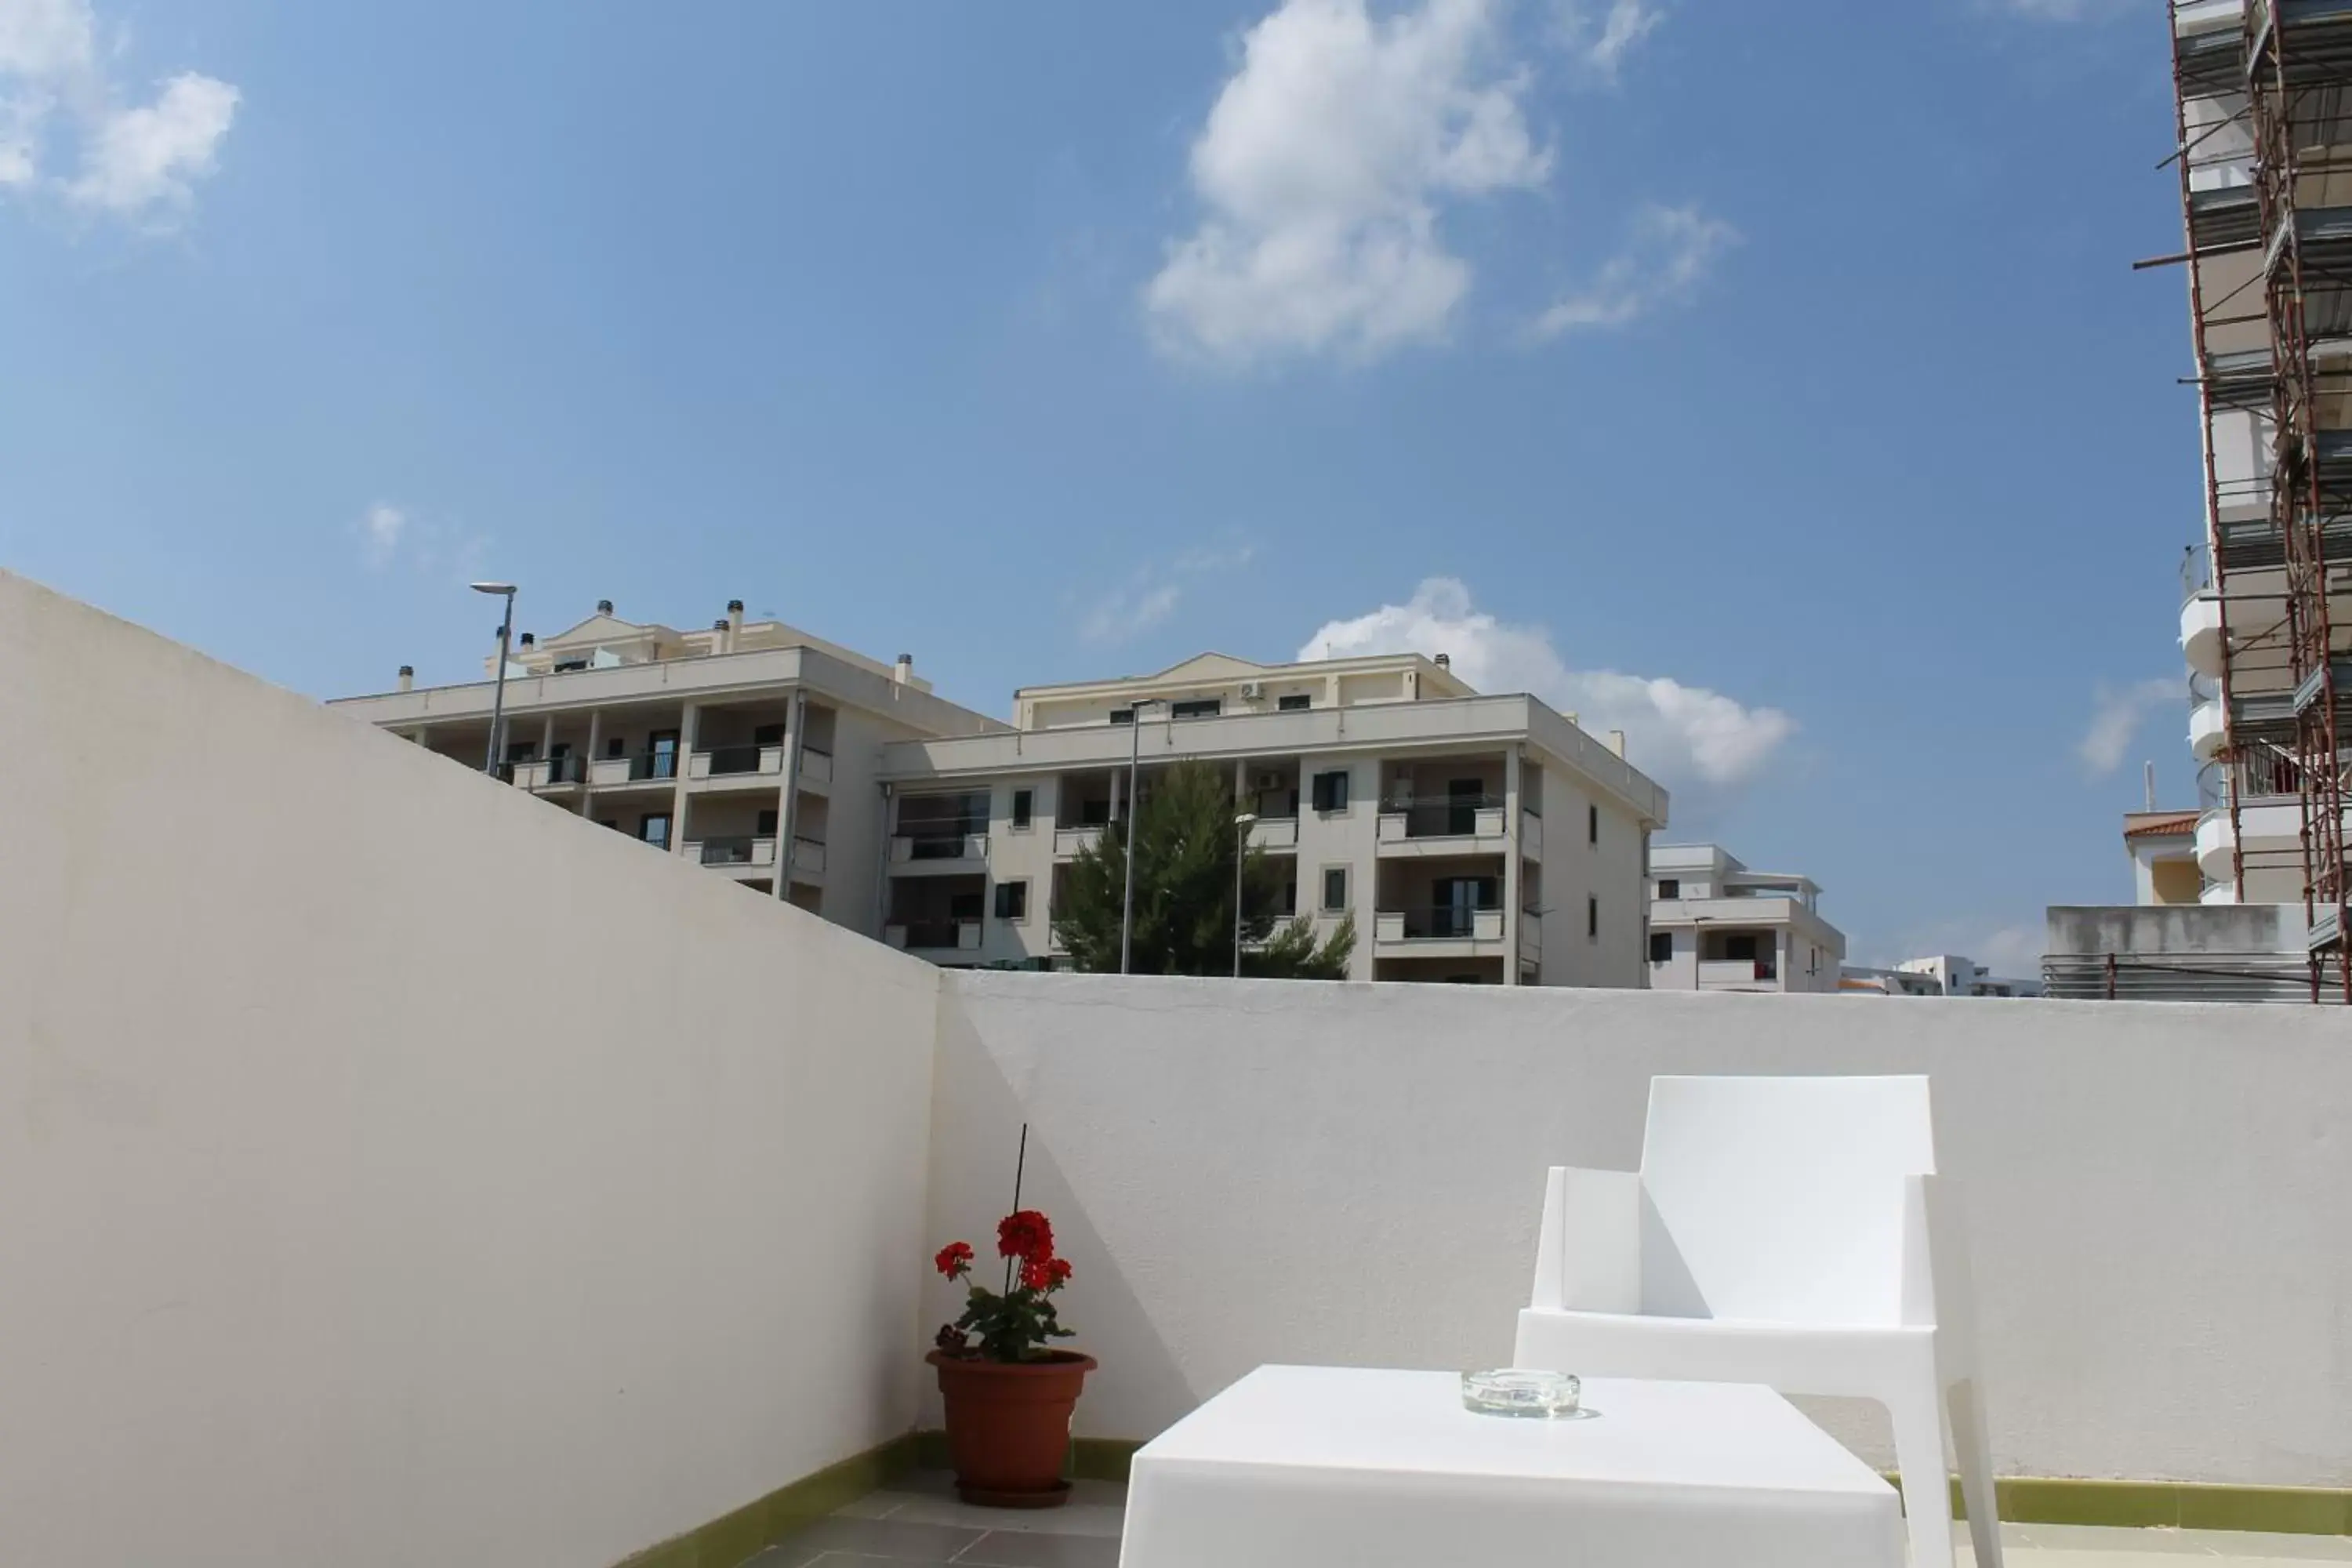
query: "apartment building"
750, 749
1475, 838
1715, 925
2261, 158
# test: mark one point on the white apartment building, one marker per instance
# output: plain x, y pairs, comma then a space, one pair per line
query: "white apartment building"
1715, 925
751, 748
1958, 976
1475, 838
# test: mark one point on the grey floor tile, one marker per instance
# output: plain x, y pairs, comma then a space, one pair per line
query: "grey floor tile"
782, 1557
859, 1560
1070, 1519
873, 1505
897, 1540
1029, 1549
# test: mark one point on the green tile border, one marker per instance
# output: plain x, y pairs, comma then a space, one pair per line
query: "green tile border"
731, 1539
2184, 1505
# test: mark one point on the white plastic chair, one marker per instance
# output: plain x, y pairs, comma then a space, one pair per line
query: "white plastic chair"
1780, 1231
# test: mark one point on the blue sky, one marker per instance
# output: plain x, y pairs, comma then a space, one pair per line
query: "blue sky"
1769, 379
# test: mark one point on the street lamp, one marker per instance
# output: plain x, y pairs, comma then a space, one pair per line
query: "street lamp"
1242, 824
499, 693
1127, 902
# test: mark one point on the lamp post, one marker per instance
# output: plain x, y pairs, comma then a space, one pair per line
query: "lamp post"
498, 692
1242, 824
1127, 891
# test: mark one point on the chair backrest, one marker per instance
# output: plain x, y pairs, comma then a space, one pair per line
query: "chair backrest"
1781, 1199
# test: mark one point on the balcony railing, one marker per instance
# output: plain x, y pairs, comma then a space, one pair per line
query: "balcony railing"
1456, 817
739, 851
1737, 971
950, 842
607, 772
748, 757
1439, 922
935, 933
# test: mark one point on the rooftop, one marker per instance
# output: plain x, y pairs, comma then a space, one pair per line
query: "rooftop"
402, 1171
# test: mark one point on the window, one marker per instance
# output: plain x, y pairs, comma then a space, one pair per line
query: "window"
768, 735
1331, 791
1592, 918
1670, 887
767, 826
1199, 708
654, 828
521, 751
1025, 806
1741, 947
1335, 889
1013, 901
1662, 947
616, 747
566, 666
1293, 704
1122, 715
612, 822
1592, 825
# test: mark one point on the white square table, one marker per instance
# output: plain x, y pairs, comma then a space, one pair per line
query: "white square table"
1300, 1466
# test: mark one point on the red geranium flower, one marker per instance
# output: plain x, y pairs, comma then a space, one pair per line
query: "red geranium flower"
1037, 1274
954, 1258
1025, 1233
1057, 1272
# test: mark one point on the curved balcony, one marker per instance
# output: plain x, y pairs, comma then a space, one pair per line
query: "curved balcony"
2217, 846
2207, 730
2200, 633
2218, 893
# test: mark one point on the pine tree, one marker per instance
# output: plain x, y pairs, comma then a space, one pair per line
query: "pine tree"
1184, 847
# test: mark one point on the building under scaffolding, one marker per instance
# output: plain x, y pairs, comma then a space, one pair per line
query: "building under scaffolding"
2264, 99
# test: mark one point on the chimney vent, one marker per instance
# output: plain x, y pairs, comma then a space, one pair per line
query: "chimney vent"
407, 678
1617, 742
530, 639
604, 607
904, 671
1446, 661
720, 624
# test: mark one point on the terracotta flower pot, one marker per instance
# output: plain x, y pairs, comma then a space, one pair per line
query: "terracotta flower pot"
1009, 1425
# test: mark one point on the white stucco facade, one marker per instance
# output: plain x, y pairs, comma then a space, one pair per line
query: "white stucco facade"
1715, 925
1482, 839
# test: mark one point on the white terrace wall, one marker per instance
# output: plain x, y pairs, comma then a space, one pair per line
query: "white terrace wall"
1253, 1172
395, 1170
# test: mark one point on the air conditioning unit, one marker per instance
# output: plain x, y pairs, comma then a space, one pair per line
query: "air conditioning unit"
1251, 691
1267, 780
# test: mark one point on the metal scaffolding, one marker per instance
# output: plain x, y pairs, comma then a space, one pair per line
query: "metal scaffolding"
2263, 114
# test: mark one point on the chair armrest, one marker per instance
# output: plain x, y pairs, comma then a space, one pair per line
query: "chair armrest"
1589, 1252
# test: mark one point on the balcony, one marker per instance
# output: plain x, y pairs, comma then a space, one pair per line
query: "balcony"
743, 855
817, 769
939, 850
2208, 729
1531, 936
1441, 828
646, 770
1278, 834
737, 767
934, 936
1738, 974
2200, 633
1074, 841
547, 775
1531, 834
1443, 925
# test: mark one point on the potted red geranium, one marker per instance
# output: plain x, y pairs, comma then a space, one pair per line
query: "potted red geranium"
1009, 1393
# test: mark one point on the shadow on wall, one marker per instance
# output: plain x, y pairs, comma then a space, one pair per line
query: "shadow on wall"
974, 1094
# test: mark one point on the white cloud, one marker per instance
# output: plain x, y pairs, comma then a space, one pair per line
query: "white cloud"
1599, 38
142, 160
137, 162
2117, 715
1322, 171
1667, 253
380, 532
1153, 595
1679, 734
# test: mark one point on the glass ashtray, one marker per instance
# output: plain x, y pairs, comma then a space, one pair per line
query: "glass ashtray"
1531, 1394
